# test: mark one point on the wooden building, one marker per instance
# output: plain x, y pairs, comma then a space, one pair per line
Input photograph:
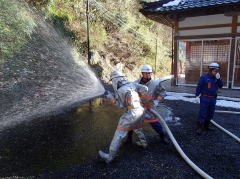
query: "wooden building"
205, 31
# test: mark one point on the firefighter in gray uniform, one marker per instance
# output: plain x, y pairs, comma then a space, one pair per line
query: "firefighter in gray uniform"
127, 95
155, 94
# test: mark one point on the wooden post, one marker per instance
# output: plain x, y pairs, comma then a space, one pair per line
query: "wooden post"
175, 50
172, 65
233, 31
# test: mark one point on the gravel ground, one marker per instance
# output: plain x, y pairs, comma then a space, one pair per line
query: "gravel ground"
214, 152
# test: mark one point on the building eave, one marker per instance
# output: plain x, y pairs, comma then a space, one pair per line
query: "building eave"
169, 17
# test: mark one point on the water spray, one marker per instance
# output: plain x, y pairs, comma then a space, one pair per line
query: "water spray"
45, 77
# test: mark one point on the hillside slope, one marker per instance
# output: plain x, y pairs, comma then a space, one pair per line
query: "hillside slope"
120, 36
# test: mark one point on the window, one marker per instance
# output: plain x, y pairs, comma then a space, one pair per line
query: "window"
236, 74
195, 56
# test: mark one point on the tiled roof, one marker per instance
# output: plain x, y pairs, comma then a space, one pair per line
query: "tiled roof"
187, 4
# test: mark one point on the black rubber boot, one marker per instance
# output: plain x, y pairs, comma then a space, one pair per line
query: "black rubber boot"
200, 127
129, 137
164, 139
207, 127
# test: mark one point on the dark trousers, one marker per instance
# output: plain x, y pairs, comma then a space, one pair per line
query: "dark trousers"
157, 127
207, 108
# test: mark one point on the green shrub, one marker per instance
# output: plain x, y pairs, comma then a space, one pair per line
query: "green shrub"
16, 26
60, 20
116, 41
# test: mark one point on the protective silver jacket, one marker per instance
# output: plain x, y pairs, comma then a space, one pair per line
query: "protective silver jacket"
128, 97
155, 89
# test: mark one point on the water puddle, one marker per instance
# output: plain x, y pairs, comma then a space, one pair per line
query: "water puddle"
58, 142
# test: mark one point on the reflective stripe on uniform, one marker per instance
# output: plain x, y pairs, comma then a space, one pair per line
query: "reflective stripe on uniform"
146, 97
129, 128
128, 99
130, 107
209, 85
131, 99
149, 104
150, 121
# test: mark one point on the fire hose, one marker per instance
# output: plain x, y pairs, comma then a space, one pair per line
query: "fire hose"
226, 131
176, 145
229, 112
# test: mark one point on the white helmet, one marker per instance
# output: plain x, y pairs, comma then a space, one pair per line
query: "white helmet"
116, 74
146, 68
213, 66
118, 82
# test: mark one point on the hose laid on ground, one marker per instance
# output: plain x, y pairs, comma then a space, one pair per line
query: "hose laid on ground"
226, 131
195, 167
229, 112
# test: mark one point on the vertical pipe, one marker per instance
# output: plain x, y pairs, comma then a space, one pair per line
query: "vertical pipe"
156, 59
88, 39
88, 46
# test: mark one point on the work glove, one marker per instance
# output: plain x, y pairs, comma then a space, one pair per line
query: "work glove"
217, 76
160, 98
155, 102
110, 96
197, 99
